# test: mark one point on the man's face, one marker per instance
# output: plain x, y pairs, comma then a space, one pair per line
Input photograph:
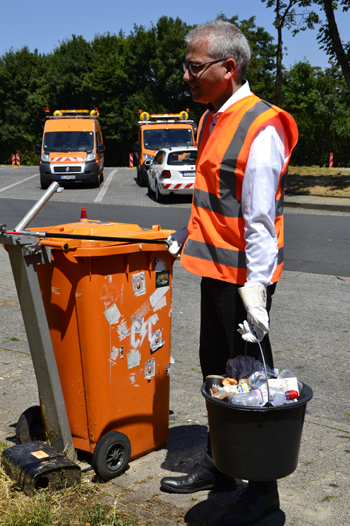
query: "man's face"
209, 85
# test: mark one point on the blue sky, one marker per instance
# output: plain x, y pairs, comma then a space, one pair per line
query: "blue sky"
44, 24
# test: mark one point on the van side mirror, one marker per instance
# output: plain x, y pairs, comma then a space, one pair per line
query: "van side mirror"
101, 148
137, 146
37, 149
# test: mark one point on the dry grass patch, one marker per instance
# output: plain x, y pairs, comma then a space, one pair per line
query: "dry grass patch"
314, 180
76, 506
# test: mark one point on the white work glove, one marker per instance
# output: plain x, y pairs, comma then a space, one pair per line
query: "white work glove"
176, 241
257, 325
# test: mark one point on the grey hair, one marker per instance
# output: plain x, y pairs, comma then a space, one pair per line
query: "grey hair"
225, 40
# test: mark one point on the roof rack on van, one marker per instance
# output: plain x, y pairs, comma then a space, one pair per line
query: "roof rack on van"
162, 117
74, 113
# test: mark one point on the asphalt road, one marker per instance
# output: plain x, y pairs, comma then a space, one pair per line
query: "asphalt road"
315, 241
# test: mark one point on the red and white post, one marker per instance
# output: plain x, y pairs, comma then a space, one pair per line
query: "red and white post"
331, 160
13, 159
131, 160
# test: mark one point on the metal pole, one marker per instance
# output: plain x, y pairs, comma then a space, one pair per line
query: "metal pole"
33, 212
24, 258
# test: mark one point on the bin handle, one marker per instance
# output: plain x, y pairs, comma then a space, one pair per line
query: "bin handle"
89, 238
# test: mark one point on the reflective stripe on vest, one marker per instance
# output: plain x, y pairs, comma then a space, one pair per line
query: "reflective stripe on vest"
203, 121
222, 256
216, 213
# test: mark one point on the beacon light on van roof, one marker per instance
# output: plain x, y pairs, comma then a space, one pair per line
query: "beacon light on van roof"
75, 113
144, 116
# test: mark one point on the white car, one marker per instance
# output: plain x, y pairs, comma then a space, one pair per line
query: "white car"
173, 170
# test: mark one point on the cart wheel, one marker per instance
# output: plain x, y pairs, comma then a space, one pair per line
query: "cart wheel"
111, 455
29, 426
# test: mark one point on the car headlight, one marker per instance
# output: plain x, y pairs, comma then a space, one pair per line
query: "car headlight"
146, 156
90, 156
45, 157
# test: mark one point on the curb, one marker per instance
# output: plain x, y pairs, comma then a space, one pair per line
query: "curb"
314, 206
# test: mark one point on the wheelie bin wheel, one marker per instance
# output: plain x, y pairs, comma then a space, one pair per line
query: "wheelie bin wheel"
111, 455
29, 426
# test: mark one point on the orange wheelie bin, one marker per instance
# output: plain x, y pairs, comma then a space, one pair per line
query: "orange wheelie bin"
108, 306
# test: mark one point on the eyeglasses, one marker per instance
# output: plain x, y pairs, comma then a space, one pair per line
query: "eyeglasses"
194, 69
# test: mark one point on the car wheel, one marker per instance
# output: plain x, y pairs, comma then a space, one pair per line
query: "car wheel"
29, 426
102, 178
111, 455
159, 196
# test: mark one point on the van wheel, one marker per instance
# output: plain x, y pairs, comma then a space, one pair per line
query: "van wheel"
102, 177
97, 181
43, 185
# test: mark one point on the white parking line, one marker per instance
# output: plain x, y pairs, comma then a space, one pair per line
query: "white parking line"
18, 182
104, 188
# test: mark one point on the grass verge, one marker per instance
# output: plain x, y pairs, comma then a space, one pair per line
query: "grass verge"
316, 180
76, 506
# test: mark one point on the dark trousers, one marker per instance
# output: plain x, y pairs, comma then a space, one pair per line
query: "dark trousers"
221, 311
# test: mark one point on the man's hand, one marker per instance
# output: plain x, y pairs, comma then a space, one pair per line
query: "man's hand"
254, 301
250, 333
176, 240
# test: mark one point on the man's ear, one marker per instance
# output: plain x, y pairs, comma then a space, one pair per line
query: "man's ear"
231, 68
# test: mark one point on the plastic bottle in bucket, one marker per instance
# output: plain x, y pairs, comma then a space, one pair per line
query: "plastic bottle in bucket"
258, 397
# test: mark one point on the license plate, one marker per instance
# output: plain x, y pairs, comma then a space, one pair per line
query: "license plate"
189, 174
68, 177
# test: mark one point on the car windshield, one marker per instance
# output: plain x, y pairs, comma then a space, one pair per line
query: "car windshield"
160, 138
181, 158
70, 141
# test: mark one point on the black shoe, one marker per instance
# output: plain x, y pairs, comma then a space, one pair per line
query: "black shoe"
250, 508
197, 480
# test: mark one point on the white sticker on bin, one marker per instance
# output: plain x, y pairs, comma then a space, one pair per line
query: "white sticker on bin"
112, 314
134, 358
157, 295
114, 353
138, 282
160, 304
159, 264
123, 330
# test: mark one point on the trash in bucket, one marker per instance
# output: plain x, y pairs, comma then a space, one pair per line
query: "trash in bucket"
256, 443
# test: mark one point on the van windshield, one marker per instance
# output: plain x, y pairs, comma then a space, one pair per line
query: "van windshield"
157, 138
70, 141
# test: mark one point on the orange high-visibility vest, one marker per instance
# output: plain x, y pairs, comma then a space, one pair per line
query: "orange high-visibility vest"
215, 246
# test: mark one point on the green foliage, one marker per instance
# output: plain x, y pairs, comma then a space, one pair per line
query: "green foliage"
319, 102
121, 74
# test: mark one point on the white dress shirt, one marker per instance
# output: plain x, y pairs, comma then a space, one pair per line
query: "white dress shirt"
267, 157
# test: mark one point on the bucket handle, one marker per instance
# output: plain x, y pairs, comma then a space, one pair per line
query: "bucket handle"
268, 403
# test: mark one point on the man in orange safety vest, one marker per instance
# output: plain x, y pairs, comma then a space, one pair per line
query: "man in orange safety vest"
234, 238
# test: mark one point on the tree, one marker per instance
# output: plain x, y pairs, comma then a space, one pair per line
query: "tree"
329, 37
286, 17
319, 102
306, 18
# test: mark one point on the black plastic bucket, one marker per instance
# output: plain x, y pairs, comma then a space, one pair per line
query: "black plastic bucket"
256, 443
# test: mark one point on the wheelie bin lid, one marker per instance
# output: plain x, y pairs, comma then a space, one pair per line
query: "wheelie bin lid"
93, 247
